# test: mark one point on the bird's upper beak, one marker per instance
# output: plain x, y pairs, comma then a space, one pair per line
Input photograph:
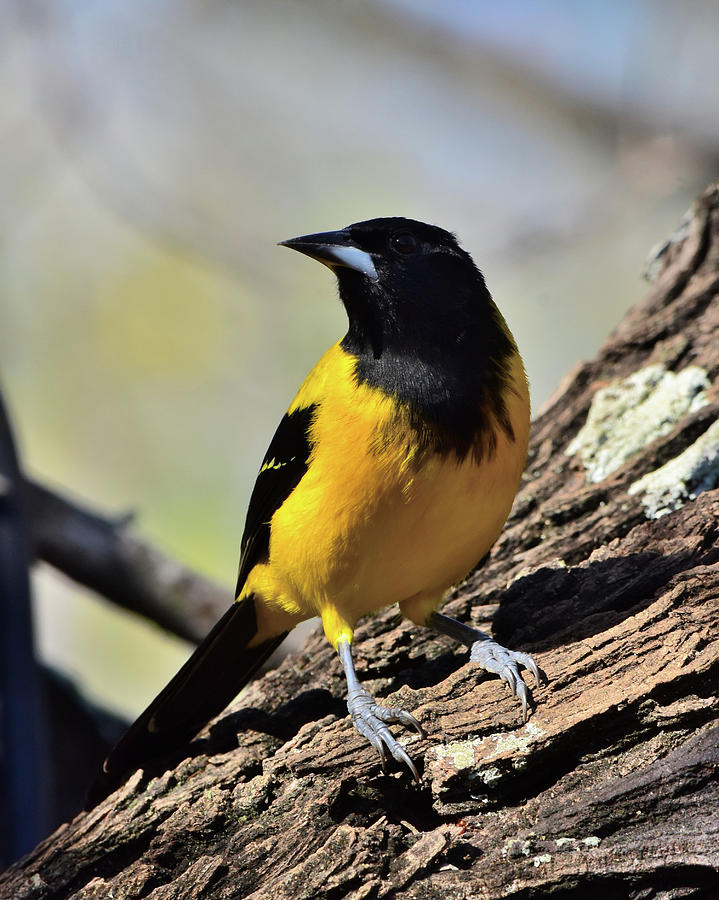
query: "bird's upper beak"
334, 248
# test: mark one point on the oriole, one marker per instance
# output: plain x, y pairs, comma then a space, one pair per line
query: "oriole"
390, 476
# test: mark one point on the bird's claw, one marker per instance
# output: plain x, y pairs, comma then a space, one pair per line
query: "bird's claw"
370, 719
495, 658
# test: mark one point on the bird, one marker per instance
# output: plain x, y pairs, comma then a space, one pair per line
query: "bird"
388, 479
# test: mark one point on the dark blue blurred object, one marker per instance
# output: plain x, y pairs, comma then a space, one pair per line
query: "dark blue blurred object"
22, 807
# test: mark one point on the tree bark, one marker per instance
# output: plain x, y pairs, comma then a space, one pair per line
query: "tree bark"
608, 571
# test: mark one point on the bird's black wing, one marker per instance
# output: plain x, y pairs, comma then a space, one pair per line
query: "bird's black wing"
285, 463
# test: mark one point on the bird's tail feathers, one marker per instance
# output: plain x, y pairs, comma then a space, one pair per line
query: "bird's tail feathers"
209, 680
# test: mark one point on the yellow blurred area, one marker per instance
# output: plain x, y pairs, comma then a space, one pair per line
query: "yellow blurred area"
115, 349
171, 322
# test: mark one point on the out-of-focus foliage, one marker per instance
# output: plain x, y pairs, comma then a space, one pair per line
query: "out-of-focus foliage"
151, 333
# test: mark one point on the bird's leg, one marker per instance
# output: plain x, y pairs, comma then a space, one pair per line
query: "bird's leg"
370, 719
490, 655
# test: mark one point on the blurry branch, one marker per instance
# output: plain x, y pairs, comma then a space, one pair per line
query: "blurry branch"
105, 555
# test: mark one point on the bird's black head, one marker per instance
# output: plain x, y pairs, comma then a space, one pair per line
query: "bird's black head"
422, 323
407, 286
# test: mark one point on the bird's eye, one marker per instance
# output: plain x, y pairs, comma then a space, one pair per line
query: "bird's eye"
403, 243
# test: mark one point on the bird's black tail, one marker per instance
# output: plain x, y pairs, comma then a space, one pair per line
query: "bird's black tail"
211, 677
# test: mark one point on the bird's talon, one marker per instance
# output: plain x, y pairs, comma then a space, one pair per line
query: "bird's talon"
369, 718
408, 720
525, 706
404, 757
505, 663
510, 677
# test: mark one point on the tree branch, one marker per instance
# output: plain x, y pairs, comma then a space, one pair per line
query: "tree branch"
105, 555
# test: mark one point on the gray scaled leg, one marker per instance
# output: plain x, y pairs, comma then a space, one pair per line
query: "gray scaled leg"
490, 655
370, 719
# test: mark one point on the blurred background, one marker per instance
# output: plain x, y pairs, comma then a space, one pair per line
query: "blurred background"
153, 153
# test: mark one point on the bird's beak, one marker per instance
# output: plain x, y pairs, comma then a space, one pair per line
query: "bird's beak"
334, 248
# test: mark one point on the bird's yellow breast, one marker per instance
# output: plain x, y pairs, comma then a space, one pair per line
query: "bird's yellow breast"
376, 519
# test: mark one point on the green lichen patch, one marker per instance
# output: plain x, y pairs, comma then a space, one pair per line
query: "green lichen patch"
477, 752
630, 413
683, 478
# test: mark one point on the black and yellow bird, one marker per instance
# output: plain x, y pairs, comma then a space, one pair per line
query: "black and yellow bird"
390, 476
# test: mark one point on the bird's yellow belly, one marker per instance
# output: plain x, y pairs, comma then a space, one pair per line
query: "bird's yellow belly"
369, 526
424, 543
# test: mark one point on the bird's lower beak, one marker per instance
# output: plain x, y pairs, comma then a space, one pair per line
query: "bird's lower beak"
334, 248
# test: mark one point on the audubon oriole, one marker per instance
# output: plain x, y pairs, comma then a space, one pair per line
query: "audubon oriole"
390, 476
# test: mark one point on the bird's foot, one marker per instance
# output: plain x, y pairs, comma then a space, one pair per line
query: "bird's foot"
370, 719
495, 658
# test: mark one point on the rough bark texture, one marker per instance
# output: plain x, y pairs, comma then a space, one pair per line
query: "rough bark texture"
611, 581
